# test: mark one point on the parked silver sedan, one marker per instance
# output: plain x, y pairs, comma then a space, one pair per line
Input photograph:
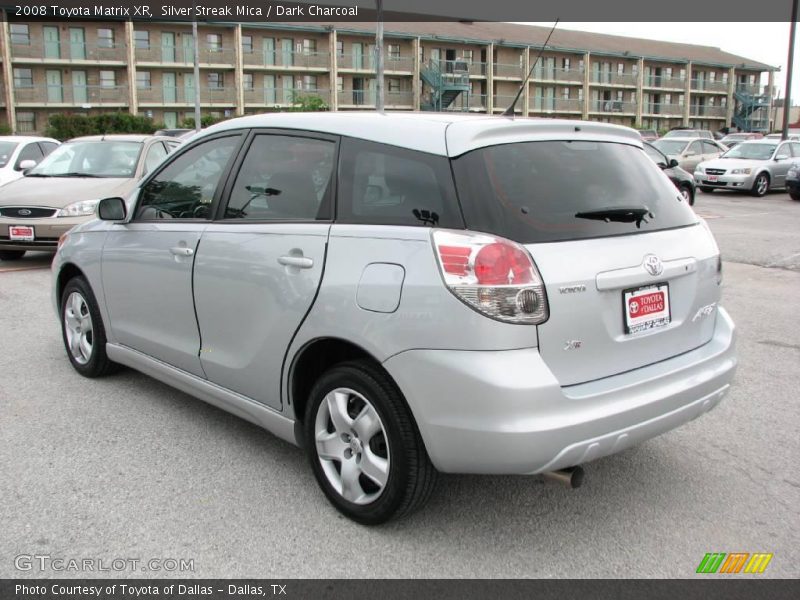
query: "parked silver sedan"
689, 152
755, 166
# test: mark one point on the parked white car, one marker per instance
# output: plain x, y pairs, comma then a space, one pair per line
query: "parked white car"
19, 153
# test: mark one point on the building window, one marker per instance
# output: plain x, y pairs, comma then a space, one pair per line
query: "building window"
309, 46
565, 64
712, 76
108, 79
23, 78
466, 54
339, 84
620, 68
20, 34
143, 80
580, 93
393, 85
339, 48
310, 82
683, 74
668, 73
26, 122
105, 38
723, 102
725, 77
247, 81
633, 96
214, 42
620, 96
216, 81
635, 69
667, 98
581, 65
681, 99
247, 44
141, 39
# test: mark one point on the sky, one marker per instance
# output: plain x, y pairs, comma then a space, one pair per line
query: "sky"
765, 42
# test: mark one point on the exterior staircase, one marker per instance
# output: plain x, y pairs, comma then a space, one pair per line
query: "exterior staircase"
751, 110
447, 80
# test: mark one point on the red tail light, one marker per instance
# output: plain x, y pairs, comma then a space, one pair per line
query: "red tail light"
495, 276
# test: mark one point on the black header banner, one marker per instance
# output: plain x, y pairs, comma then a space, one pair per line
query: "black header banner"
712, 11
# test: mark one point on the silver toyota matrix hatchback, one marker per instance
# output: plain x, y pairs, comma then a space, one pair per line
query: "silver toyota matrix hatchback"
407, 294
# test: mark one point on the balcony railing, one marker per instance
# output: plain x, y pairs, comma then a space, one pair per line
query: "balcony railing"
703, 110
477, 68
282, 96
701, 85
747, 88
280, 59
468, 102
69, 51
185, 95
404, 98
404, 64
169, 54
611, 78
503, 101
661, 108
76, 95
509, 70
662, 81
548, 104
613, 106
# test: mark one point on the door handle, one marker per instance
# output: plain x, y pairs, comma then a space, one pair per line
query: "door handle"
181, 251
301, 262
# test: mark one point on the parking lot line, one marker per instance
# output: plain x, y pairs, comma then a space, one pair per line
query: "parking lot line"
26, 268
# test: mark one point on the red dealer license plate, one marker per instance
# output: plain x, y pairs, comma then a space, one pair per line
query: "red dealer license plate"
646, 307
20, 233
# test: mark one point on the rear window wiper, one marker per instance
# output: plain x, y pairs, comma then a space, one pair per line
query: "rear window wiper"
619, 214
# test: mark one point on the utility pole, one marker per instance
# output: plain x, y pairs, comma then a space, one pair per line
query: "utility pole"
787, 96
379, 89
196, 44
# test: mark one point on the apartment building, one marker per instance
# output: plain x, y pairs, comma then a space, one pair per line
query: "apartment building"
147, 68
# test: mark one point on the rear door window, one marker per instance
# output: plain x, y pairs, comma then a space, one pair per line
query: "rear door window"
386, 185
566, 190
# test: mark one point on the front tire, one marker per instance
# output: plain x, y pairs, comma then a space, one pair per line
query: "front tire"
760, 185
707, 190
794, 194
82, 330
687, 193
11, 254
364, 446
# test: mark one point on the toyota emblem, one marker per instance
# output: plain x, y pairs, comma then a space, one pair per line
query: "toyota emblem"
653, 265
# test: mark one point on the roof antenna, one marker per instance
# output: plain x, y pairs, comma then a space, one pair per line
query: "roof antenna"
509, 112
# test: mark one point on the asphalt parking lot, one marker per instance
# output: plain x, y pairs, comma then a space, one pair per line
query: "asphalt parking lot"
126, 467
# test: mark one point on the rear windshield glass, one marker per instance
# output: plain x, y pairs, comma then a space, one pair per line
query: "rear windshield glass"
565, 190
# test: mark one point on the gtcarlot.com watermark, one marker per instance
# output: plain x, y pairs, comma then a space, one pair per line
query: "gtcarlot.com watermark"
65, 564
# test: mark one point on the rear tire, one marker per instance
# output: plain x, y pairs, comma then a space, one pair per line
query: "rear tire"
707, 190
363, 445
760, 185
11, 254
794, 194
82, 330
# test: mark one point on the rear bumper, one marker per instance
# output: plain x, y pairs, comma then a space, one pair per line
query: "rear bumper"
504, 412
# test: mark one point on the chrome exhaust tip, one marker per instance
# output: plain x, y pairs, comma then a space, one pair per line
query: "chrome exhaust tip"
571, 478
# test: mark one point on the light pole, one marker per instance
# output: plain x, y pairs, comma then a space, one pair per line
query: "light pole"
196, 46
787, 96
379, 89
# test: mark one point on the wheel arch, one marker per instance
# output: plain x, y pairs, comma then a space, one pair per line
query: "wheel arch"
68, 271
311, 361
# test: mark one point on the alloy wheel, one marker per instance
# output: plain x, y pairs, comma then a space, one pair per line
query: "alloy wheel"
78, 327
352, 446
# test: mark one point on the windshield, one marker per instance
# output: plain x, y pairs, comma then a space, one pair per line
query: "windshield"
6, 150
752, 151
681, 133
552, 191
670, 146
106, 158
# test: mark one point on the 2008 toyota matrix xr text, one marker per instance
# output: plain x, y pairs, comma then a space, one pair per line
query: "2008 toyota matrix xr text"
408, 294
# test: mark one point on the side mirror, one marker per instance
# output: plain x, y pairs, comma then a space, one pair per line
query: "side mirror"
673, 163
662, 165
27, 165
112, 209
